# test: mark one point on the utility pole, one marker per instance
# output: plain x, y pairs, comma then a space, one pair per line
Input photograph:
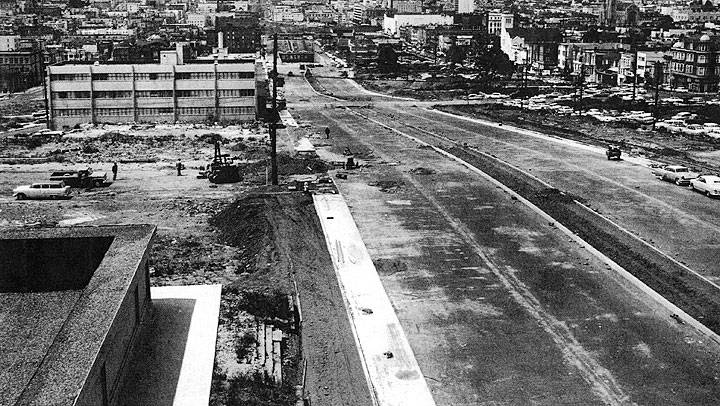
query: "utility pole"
274, 116
634, 64
658, 78
581, 84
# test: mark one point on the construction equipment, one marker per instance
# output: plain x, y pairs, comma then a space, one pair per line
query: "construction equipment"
222, 169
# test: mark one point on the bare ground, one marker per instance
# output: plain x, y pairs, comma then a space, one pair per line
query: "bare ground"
258, 242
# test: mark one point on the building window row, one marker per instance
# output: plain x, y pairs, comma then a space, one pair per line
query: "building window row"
155, 111
112, 94
72, 112
194, 75
115, 112
238, 110
236, 75
70, 76
237, 93
195, 93
15, 61
154, 76
151, 76
112, 76
71, 95
154, 93
196, 111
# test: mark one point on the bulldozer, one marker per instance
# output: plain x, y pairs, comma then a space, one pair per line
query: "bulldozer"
222, 169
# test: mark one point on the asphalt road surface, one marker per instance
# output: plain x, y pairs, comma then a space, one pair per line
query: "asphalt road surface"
499, 306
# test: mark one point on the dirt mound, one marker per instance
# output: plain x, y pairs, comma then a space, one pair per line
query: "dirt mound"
244, 224
288, 165
210, 138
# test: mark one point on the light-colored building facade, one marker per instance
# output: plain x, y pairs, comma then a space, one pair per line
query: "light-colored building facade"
391, 25
465, 6
497, 21
167, 92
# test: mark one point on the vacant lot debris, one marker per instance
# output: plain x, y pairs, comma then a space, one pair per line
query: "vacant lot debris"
388, 186
422, 171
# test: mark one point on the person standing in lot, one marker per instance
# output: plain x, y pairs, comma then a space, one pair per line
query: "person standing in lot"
114, 170
179, 167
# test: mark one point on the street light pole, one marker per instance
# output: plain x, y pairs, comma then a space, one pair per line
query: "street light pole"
274, 117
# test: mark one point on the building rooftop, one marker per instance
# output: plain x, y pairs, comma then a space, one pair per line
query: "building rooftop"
60, 292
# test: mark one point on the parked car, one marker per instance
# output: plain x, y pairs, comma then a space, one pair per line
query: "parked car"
707, 184
671, 125
693, 129
42, 190
497, 96
679, 174
613, 152
84, 178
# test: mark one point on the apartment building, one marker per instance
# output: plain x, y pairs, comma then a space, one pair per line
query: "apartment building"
695, 63
20, 64
223, 91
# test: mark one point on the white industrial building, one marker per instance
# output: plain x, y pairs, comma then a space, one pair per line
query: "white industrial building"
222, 91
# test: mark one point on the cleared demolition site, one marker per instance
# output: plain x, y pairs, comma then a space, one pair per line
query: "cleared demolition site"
214, 222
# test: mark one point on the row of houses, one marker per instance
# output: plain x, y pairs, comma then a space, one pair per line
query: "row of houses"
693, 62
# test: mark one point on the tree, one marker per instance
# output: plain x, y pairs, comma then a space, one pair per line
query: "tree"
489, 58
456, 54
387, 58
665, 22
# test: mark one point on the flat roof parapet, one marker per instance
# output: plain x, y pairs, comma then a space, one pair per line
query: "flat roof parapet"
53, 337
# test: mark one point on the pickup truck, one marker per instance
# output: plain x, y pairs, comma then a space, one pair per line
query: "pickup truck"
679, 174
84, 178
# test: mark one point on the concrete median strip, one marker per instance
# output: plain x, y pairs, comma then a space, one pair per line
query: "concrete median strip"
393, 374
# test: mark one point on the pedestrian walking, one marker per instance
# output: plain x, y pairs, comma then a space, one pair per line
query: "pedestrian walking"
179, 167
114, 170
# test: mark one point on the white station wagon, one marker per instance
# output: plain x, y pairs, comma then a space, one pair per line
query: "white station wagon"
42, 190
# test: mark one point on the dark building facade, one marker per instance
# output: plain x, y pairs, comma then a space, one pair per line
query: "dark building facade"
695, 63
239, 34
21, 68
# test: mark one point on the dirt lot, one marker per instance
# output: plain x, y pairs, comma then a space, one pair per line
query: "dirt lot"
259, 242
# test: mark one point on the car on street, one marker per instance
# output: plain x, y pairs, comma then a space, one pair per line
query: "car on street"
475, 96
497, 96
681, 175
42, 190
706, 184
